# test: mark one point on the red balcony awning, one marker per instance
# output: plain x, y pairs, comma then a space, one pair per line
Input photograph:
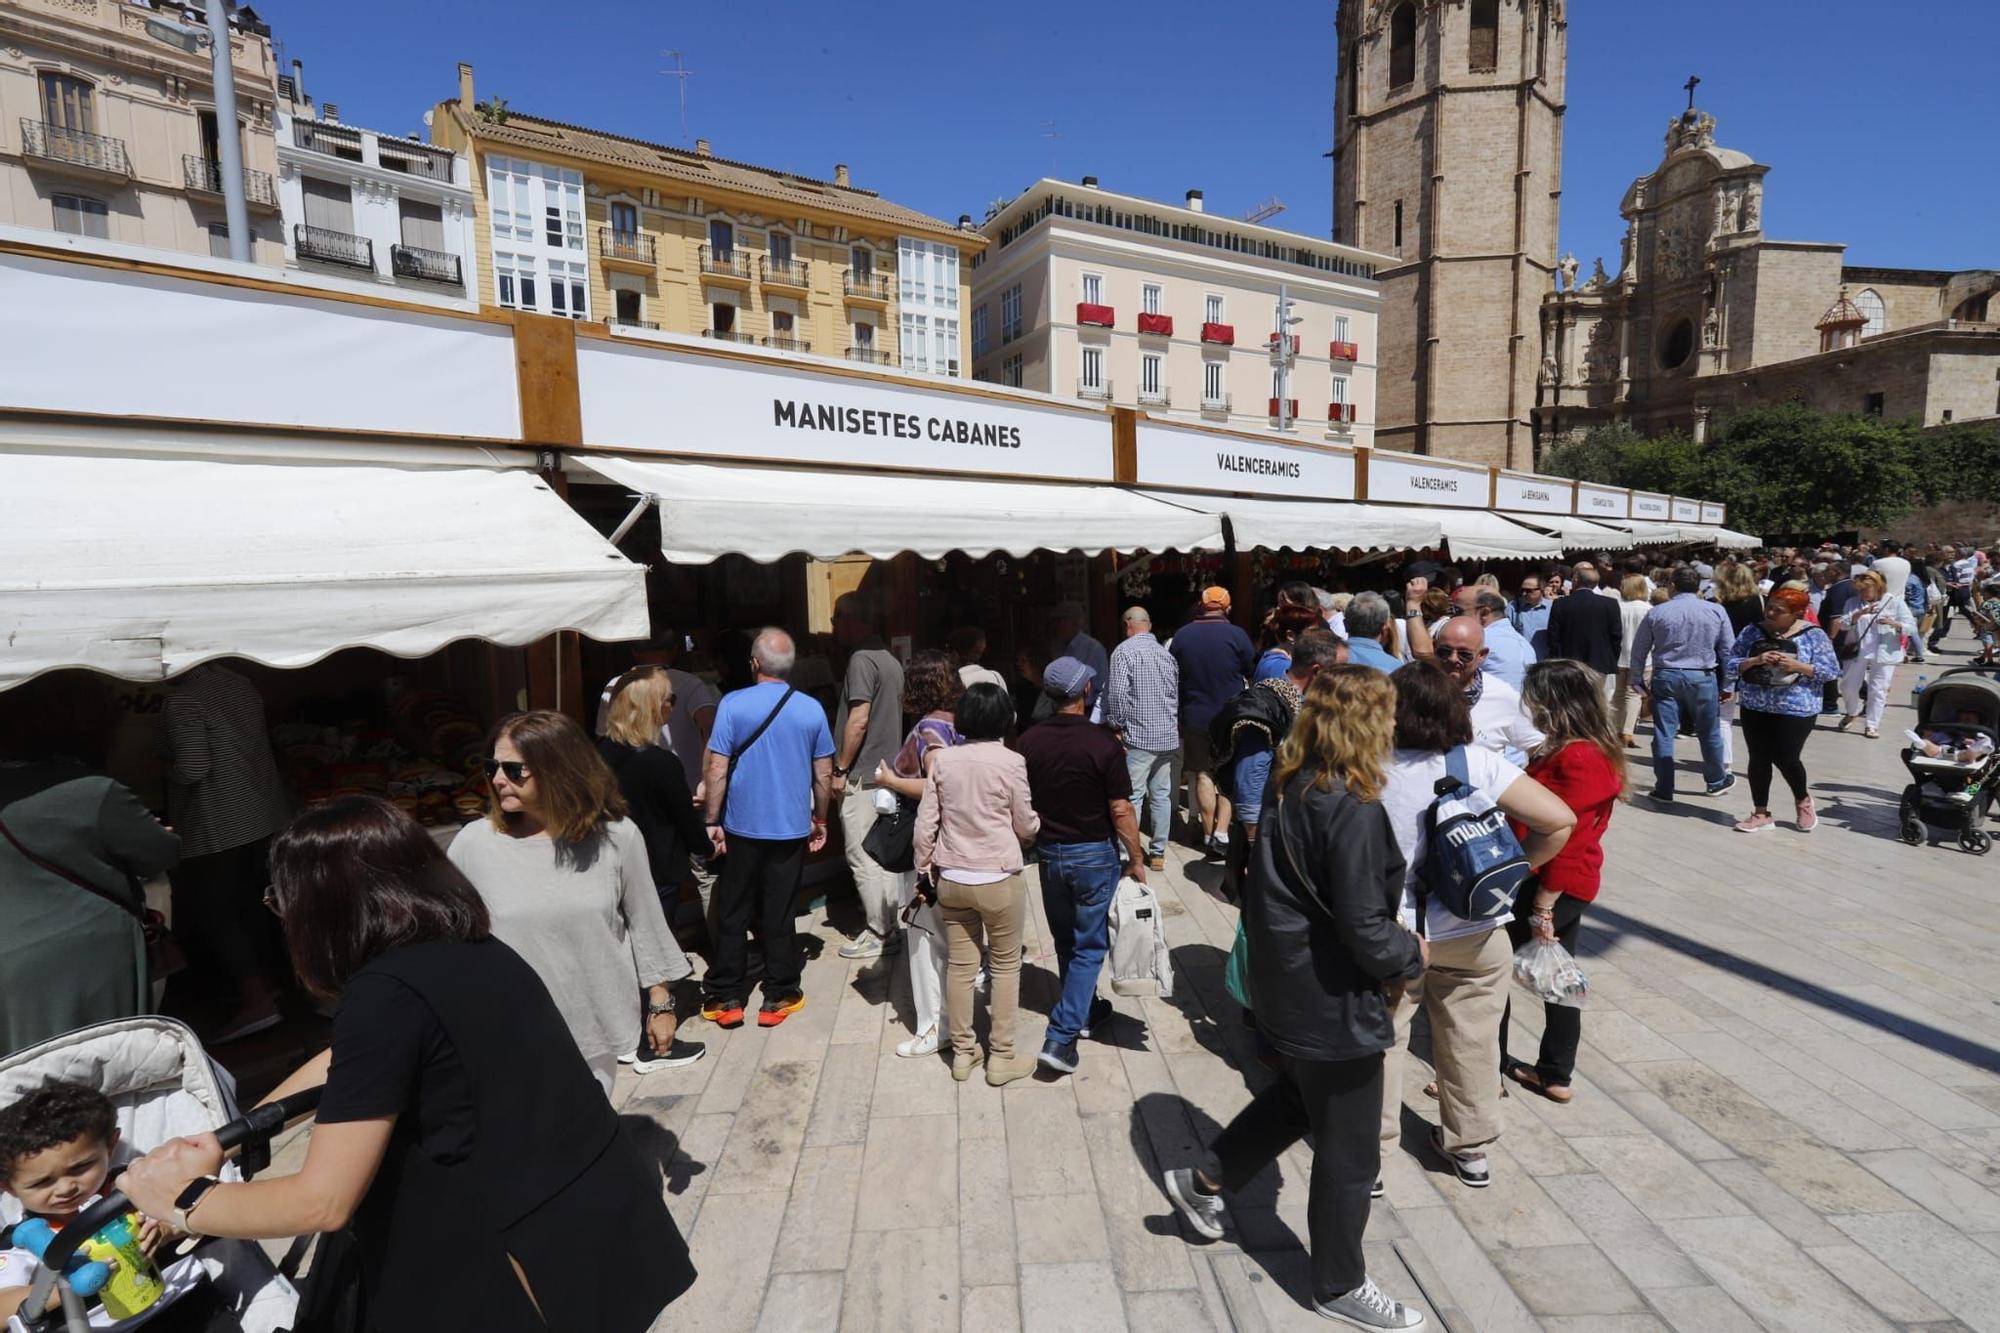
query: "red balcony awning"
1291, 408
1344, 351
1272, 343
1340, 412
1101, 315
1160, 324
1219, 333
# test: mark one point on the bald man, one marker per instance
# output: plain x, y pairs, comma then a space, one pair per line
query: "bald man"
1142, 700
1499, 722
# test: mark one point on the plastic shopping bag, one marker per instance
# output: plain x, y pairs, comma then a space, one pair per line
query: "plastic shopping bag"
1546, 969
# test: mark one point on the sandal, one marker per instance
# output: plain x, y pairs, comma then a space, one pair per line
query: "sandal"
1530, 1078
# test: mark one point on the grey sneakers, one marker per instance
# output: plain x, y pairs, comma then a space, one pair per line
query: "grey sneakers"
1367, 1307
1204, 1212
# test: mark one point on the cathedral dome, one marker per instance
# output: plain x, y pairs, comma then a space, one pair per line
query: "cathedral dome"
1842, 314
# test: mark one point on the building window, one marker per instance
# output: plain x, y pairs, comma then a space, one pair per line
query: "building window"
625, 219
66, 104
1399, 224
1339, 389
79, 215
626, 305
721, 240
1341, 327
1212, 311
1211, 382
1149, 298
979, 330
861, 263
1010, 313
508, 189
1010, 370
218, 240
1872, 405
1149, 377
1402, 45
329, 207
944, 360
1093, 368
514, 281
1093, 289
783, 324
722, 317
568, 290
917, 343
422, 225
1869, 303
780, 246
864, 337
1483, 49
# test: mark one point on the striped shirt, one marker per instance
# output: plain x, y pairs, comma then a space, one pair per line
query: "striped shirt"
223, 789
1142, 698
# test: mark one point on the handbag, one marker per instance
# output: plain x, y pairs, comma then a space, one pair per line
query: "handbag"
164, 956
892, 839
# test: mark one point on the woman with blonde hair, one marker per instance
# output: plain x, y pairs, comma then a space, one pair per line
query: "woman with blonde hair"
1634, 603
1581, 761
565, 877
1320, 921
1736, 592
1875, 623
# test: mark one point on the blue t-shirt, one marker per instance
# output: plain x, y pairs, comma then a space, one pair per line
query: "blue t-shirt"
1274, 663
770, 794
1215, 659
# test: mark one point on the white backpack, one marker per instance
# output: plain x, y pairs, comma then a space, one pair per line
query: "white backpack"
1138, 955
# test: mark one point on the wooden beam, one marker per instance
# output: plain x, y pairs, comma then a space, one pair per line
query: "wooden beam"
545, 370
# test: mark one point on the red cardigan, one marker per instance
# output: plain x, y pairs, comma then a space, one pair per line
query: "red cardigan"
1584, 778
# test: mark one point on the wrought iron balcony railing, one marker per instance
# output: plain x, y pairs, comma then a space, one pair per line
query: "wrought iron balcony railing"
412, 261
632, 246
74, 148
786, 273
333, 247
204, 176
724, 264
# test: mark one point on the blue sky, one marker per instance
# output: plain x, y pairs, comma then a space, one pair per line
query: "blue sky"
1878, 127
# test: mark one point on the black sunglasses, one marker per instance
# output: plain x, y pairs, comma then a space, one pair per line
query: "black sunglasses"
515, 769
1456, 655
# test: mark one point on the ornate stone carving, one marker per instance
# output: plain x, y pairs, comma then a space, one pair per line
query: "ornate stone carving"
1598, 277
1566, 267
1600, 358
1753, 206
1711, 329
1690, 129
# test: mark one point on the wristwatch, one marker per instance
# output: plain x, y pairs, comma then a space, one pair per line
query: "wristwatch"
842, 772
188, 1199
655, 1010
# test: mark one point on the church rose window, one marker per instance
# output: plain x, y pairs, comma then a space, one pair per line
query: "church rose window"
1677, 345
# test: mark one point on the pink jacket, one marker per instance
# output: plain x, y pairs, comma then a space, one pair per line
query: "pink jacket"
975, 813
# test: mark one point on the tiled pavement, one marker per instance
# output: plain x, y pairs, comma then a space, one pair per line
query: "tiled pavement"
1787, 1118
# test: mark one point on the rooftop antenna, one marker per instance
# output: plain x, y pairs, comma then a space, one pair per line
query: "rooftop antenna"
679, 73
1052, 134
1270, 208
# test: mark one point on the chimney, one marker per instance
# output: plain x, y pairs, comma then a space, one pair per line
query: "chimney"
1194, 200
1090, 182
701, 148
299, 83
840, 176
332, 113
965, 222
465, 87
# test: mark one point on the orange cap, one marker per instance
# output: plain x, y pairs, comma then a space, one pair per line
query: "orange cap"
1215, 596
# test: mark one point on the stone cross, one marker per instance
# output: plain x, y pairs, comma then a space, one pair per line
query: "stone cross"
1693, 79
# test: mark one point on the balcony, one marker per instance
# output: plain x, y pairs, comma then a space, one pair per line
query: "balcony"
413, 261
1222, 335
626, 248
872, 288
1101, 391
729, 336
868, 356
333, 247
1155, 398
1340, 413
202, 176
73, 151
787, 273
784, 342
1215, 407
1291, 409
349, 144
317, 136
633, 322
1274, 342
414, 159
725, 266
1100, 316
1343, 351
1159, 325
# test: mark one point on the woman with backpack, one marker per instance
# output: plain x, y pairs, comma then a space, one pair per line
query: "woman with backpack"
1464, 990
1779, 668
1582, 762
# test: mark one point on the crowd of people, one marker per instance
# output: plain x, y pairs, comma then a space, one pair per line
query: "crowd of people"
1307, 759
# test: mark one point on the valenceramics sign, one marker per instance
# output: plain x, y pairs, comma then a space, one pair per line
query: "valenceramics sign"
1602, 501
641, 399
1646, 505
1403, 479
1523, 492
1201, 460
1687, 511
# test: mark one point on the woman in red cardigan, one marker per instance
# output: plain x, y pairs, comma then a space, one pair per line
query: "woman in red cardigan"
1582, 762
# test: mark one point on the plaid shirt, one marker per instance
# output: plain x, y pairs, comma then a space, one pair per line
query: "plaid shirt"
1142, 697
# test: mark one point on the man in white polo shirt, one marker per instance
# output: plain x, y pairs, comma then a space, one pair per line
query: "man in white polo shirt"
1499, 723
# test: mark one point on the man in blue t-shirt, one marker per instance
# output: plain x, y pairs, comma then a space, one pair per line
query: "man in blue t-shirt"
767, 776
1215, 659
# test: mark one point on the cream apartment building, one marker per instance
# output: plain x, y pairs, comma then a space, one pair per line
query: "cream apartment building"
108, 124
1170, 309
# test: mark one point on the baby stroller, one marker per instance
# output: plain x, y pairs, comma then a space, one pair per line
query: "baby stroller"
1944, 794
163, 1086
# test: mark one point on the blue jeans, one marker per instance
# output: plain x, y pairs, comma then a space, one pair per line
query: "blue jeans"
1152, 773
1685, 696
1079, 880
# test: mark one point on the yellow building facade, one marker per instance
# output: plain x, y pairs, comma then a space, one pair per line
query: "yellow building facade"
599, 227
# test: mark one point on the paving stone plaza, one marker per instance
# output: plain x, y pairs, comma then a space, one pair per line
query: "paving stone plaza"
1787, 1117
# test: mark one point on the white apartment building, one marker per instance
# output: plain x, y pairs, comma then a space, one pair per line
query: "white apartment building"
1172, 310
369, 206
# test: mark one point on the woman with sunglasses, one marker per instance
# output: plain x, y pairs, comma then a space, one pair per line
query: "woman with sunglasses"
567, 880
486, 1182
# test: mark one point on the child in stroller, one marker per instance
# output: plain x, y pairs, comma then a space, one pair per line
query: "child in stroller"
1952, 759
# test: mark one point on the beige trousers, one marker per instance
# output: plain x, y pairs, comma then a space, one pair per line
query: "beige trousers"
882, 892
998, 913
1464, 991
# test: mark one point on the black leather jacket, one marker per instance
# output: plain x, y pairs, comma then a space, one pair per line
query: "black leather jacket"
1321, 923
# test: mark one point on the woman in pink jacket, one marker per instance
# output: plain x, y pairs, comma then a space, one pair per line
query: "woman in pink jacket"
972, 823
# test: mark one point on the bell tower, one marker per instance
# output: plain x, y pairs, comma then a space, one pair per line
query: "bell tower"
1448, 155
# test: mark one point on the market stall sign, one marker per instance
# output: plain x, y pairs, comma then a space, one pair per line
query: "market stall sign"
1402, 479
1602, 501
1649, 506
1526, 493
1207, 461
653, 400
1687, 511
1713, 513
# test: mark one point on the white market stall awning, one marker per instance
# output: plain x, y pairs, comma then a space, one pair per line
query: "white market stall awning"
1578, 534
1315, 525
1727, 538
143, 566
709, 510
1645, 533
1479, 534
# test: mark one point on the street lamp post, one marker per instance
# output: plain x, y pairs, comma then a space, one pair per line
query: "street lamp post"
1283, 348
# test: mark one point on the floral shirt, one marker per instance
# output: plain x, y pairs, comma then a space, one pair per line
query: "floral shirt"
1802, 698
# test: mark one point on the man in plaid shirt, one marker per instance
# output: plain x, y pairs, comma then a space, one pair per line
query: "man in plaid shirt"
1142, 697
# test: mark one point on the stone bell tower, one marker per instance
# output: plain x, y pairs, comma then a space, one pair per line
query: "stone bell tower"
1448, 120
